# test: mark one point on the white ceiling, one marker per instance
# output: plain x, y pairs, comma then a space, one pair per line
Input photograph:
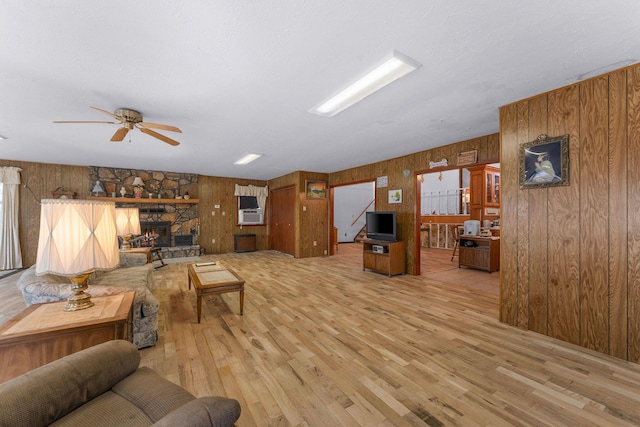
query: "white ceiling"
240, 76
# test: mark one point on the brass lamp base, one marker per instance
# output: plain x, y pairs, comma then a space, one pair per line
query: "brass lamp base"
80, 299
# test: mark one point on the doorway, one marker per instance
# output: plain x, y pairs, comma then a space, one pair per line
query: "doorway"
350, 202
282, 219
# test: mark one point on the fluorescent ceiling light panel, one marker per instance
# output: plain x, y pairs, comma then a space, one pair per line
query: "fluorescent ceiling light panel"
389, 70
247, 159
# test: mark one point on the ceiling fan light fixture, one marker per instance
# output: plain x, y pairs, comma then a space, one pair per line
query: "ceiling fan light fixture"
131, 119
247, 159
390, 69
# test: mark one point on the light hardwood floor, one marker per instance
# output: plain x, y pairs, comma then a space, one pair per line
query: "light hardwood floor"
322, 343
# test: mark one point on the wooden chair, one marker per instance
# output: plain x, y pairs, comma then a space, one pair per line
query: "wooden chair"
457, 232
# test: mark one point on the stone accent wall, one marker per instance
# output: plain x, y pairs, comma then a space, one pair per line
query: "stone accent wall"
183, 217
167, 184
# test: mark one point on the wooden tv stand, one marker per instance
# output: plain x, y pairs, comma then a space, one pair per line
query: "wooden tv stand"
484, 254
390, 262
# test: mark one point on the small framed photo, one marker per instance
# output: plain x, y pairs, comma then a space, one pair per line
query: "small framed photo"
395, 196
316, 189
545, 162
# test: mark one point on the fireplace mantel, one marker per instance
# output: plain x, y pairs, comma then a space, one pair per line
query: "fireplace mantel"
142, 200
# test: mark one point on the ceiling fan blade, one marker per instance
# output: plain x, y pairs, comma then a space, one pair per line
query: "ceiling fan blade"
159, 136
120, 134
108, 113
82, 121
158, 126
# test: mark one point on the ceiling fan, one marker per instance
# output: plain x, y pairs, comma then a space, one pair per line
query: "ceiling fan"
130, 119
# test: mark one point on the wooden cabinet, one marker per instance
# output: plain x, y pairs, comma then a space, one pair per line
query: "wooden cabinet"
384, 257
42, 333
482, 253
484, 183
492, 188
244, 242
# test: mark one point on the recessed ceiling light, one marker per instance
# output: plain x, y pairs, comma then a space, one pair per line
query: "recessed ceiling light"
247, 159
390, 69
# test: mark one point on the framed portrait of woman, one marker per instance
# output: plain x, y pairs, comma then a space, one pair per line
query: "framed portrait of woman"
545, 162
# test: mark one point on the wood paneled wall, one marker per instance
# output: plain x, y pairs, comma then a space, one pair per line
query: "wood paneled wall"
571, 255
42, 178
221, 224
311, 216
38, 181
406, 214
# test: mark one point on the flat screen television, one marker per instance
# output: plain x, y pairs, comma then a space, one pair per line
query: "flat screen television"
381, 226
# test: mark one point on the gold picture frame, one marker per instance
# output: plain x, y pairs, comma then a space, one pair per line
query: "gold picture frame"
544, 162
316, 190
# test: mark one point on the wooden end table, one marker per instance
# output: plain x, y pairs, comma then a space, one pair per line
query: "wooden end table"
213, 278
42, 333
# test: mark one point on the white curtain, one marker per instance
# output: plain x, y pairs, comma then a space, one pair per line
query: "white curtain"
261, 193
10, 254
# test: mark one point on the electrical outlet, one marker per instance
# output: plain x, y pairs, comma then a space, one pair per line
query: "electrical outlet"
315, 243
213, 213
304, 209
213, 240
223, 213
325, 251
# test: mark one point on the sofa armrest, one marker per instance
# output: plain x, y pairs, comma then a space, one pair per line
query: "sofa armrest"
45, 394
209, 411
132, 259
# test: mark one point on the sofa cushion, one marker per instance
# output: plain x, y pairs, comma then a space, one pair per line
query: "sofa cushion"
154, 395
108, 409
138, 279
208, 411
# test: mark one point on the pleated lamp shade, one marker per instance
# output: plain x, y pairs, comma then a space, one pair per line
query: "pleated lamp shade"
127, 221
76, 237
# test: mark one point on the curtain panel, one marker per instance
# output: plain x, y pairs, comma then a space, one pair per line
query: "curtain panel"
261, 193
10, 254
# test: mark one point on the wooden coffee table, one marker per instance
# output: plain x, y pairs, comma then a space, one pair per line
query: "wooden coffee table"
211, 279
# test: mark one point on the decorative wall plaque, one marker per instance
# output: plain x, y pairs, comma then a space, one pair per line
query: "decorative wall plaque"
467, 157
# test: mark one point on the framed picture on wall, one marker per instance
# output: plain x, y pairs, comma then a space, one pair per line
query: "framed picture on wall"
395, 196
316, 189
545, 162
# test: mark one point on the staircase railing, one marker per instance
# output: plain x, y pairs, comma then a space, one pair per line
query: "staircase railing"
363, 212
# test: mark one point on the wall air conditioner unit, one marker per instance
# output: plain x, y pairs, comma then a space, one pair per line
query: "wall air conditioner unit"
249, 212
250, 217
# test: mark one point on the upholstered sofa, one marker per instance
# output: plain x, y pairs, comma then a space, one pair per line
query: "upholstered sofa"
104, 386
134, 274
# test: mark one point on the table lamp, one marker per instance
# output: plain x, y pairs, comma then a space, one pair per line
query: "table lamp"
76, 238
127, 225
137, 187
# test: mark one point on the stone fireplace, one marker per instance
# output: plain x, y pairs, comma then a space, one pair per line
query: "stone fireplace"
175, 222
